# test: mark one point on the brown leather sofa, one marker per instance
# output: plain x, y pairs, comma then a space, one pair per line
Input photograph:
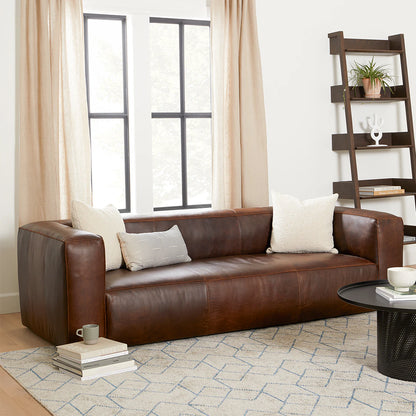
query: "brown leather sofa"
231, 284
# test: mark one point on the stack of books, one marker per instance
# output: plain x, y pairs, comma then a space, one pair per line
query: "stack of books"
104, 358
379, 190
392, 295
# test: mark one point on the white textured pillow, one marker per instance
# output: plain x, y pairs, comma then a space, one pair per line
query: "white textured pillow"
141, 251
106, 222
302, 226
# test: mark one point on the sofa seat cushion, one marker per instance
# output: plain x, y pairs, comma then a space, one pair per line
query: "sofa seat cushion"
227, 293
219, 268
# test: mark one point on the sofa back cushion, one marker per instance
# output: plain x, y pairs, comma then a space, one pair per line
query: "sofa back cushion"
212, 233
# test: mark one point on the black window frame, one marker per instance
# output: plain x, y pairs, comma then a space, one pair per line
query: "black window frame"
125, 114
182, 114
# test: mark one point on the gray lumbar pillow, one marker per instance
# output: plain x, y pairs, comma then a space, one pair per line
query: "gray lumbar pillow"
141, 251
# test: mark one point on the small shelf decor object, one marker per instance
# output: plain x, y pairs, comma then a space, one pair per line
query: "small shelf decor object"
352, 142
372, 77
376, 134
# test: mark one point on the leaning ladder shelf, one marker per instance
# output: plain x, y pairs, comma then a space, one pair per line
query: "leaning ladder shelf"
353, 142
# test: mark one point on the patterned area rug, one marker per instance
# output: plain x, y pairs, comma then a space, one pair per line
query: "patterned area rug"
325, 367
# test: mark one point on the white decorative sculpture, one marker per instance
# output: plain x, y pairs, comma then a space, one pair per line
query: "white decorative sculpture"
376, 133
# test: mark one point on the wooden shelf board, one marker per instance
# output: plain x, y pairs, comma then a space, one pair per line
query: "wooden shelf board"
340, 45
372, 51
375, 100
396, 146
362, 141
345, 189
409, 234
356, 94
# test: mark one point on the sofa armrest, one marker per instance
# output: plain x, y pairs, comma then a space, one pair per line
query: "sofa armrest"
61, 274
376, 236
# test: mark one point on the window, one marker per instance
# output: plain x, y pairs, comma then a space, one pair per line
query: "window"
181, 113
171, 133
106, 75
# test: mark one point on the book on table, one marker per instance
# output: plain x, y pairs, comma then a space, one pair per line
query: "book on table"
393, 295
104, 358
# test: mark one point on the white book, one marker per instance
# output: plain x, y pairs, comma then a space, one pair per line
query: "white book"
380, 188
104, 374
92, 359
392, 295
92, 364
81, 351
96, 371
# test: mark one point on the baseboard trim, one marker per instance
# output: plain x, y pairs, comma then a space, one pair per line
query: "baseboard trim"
9, 303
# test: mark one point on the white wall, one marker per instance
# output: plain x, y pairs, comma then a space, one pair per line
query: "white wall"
8, 259
297, 74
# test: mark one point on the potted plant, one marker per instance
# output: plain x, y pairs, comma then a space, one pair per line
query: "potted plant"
372, 77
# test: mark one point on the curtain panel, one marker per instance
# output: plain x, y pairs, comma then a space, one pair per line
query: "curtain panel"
54, 146
240, 173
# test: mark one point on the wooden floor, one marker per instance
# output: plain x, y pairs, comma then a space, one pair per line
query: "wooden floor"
14, 400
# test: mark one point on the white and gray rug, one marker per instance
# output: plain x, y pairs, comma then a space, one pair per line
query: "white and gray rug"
319, 368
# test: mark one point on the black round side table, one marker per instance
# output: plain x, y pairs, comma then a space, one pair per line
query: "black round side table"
396, 328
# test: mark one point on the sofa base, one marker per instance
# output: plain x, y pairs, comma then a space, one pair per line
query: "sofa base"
153, 305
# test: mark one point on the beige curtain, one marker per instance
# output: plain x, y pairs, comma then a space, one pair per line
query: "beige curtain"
54, 149
240, 177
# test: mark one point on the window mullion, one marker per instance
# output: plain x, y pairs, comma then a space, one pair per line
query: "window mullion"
108, 115
126, 119
182, 110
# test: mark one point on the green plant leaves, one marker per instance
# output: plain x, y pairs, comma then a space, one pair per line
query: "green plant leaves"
371, 71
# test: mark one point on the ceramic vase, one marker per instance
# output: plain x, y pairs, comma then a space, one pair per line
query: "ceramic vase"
372, 90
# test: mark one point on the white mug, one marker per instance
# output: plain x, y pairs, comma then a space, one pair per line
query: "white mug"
89, 332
